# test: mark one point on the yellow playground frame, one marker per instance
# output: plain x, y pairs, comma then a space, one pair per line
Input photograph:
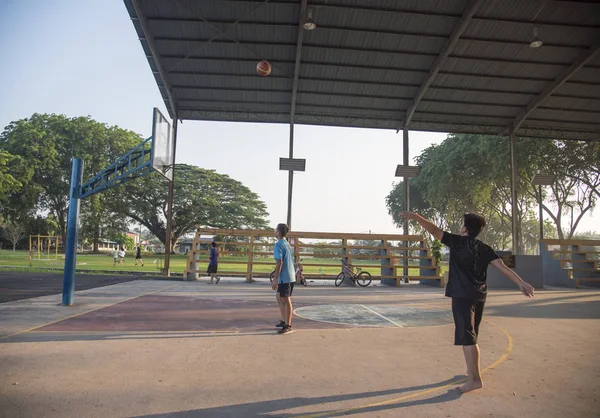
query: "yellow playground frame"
48, 239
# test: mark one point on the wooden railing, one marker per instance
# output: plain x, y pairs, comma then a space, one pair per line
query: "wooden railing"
321, 260
580, 259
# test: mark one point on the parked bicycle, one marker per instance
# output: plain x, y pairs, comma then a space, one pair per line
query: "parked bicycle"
363, 278
299, 275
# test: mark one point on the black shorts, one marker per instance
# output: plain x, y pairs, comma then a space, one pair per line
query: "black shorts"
467, 317
211, 269
285, 289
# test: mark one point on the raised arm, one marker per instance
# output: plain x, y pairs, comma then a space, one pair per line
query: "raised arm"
524, 287
428, 226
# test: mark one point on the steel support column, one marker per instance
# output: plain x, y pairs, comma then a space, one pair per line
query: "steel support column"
299, 40
71, 244
513, 195
290, 179
406, 162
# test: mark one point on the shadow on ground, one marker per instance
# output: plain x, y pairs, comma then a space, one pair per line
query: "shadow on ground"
573, 306
17, 286
275, 408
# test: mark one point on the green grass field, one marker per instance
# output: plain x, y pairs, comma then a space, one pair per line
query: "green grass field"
104, 262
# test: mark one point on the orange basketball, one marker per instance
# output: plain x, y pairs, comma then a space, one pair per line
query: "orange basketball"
263, 68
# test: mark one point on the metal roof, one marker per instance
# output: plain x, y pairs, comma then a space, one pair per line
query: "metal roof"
435, 65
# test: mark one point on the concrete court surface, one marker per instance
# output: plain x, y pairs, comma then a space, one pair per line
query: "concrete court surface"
187, 349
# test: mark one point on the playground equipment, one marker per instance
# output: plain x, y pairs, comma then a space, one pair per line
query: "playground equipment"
43, 244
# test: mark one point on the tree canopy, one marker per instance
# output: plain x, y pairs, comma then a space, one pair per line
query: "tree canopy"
35, 163
201, 198
471, 173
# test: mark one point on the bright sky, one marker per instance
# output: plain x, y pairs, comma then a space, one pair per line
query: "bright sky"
83, 58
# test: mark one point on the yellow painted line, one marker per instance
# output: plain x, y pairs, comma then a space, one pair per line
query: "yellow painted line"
502, 358
86, 312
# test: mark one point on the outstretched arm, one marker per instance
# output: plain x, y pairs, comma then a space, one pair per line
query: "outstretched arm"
524, 287
428, 226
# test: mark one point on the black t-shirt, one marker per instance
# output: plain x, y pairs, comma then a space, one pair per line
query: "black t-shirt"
469, 260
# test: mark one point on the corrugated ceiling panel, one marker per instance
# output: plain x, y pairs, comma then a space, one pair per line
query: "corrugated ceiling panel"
229, 66
227, 50
384, 22
579, 90
365, 75
458, 118
520, 32
513, 69
324, 110
233, 95
569, 103
569, 12
357, 89
437, 6
353, 39
468, 109
360, 67
490, 83
359, 102
243, 32
478, 96
586, 75
231, 82
516, 52
236, 106
563, 115
366, 58
214, 10
551, 124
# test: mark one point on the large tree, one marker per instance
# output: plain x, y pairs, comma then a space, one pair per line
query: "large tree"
8, 182
47, 144
201, 198
472, 173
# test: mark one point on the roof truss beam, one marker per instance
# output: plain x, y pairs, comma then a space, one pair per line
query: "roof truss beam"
458, 30
154, 56
297, 61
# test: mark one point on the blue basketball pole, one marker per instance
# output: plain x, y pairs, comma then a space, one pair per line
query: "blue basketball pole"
71, 245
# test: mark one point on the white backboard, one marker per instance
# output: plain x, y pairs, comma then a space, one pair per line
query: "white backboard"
162, 145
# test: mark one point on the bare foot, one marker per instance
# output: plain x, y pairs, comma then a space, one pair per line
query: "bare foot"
470, 386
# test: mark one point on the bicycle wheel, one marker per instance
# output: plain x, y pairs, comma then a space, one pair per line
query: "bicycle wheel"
339, 279
363, 278
272, 276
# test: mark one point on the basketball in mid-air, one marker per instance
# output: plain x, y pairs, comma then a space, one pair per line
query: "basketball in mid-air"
263, 68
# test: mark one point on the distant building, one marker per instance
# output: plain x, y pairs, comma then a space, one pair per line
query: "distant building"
106, 245
134, 236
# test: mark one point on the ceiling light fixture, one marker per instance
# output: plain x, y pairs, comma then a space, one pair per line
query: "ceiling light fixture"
536, 42
310, 24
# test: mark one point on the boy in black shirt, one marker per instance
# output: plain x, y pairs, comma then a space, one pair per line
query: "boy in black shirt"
469, 259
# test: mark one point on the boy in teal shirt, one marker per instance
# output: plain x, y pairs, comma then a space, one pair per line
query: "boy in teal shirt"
284, 278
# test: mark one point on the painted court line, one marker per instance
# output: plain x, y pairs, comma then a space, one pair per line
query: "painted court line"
339, 412
378, 314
